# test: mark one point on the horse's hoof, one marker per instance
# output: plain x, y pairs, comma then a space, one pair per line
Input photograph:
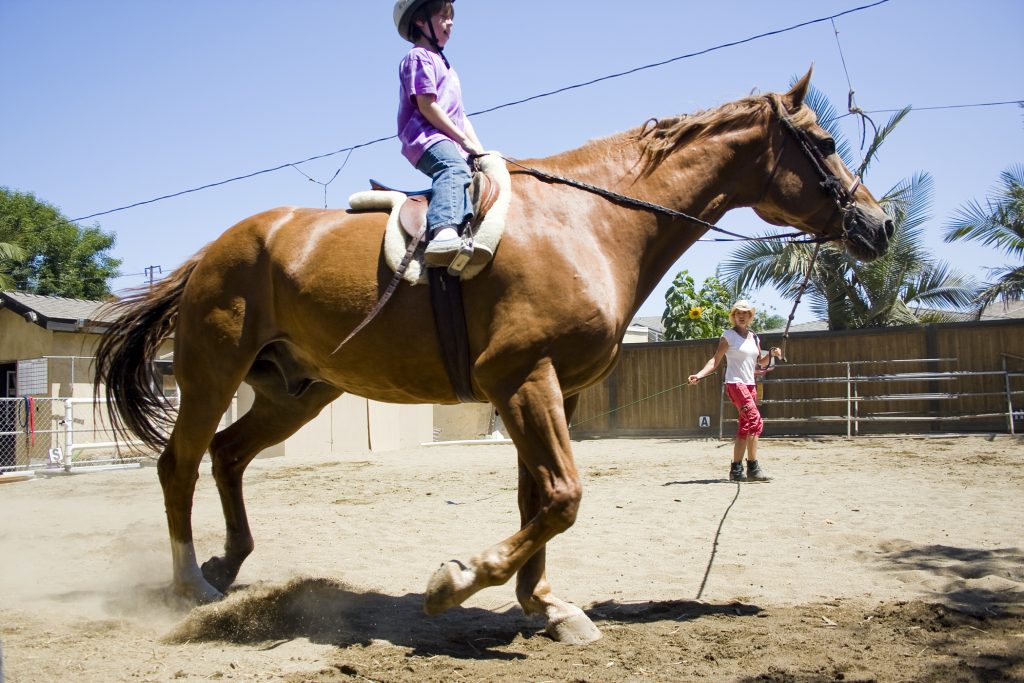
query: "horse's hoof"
200, 593
575, 629
447, 587
217, 572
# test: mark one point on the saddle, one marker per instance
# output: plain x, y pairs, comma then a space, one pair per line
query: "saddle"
490, 192
412, 215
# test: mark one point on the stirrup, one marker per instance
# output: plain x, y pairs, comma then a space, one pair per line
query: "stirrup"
462, 257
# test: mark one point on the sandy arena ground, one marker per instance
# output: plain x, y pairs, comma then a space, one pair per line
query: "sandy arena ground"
894, 559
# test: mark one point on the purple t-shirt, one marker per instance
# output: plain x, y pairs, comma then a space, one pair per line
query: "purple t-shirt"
423, 72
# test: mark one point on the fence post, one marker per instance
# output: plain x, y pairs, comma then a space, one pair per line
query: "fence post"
849, 403
69, 431
1009, 395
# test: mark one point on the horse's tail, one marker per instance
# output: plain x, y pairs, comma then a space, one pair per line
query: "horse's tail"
125, 355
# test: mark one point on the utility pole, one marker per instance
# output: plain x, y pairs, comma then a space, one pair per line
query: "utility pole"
151, 271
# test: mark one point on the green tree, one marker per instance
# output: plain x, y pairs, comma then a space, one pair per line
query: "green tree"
60, 258
704, 314
693, 314
999, 223
906, 286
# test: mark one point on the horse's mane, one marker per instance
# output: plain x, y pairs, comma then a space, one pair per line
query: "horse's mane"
661, 137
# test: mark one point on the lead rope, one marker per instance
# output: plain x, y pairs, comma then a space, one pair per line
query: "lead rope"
799, 294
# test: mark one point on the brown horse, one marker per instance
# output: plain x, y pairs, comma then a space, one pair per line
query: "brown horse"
269, 300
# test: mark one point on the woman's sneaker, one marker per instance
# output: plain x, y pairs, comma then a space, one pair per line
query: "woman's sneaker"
755, 473
736, 472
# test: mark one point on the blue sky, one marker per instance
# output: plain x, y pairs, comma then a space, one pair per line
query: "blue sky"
108, 103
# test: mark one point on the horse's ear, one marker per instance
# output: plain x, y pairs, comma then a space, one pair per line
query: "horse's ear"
795, 97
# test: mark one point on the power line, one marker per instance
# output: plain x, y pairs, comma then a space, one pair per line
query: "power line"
550, 93
947, 106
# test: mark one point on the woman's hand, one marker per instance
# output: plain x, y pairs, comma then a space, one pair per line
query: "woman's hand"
694, 379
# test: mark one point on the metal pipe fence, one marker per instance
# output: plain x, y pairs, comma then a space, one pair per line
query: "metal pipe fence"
40, 434
865, 400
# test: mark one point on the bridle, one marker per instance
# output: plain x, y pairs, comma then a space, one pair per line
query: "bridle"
844, 198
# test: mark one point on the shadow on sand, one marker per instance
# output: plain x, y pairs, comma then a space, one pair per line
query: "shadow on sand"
329, 612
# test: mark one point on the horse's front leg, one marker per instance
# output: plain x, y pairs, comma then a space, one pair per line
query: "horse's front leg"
550, 490
565, 621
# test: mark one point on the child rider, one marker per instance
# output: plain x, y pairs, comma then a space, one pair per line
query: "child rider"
435, 134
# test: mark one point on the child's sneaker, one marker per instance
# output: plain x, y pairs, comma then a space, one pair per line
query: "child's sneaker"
755, 472
736, 472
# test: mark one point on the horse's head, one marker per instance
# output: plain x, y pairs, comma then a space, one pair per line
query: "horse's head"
809, 186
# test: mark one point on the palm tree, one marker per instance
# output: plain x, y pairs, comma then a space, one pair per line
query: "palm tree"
906, 286
9, 255
999, 223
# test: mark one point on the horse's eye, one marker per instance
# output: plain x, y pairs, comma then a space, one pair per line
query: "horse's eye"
827, 146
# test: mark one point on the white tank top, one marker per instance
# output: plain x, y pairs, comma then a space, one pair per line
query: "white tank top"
740, 357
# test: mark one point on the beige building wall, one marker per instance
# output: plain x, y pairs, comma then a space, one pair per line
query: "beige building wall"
462, 422
353, 425
21, 339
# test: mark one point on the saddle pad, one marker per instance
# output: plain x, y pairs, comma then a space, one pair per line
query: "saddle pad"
485, 239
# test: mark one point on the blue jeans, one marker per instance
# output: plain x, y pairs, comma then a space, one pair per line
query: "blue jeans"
449, 203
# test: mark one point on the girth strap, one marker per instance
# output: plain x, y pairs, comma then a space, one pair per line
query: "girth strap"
450, 322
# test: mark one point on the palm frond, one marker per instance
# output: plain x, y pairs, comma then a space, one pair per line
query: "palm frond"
11, 252
1008, 286
943, 287
756, 264
1000, 221
879, 139
828, 118
909, 201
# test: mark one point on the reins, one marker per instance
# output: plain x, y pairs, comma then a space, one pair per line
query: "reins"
635, 203
830, 183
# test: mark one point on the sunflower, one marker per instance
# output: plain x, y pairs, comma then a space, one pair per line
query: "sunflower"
695, 312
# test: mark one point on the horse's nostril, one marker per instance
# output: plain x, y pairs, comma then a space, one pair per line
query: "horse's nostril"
889, 228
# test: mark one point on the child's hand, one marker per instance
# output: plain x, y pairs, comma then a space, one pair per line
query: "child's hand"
472, 147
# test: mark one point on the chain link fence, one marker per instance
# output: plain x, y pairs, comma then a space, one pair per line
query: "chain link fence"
59, 434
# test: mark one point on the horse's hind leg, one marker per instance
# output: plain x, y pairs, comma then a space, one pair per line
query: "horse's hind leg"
534, 415
274, 417
178, 468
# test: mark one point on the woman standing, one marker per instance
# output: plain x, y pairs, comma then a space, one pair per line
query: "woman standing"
742, 351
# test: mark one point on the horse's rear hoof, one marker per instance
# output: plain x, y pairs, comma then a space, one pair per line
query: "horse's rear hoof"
218, 573
576, 629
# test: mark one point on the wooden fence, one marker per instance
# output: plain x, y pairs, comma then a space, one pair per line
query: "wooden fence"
960, 379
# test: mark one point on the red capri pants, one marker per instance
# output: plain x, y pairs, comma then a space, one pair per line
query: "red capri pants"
744, 397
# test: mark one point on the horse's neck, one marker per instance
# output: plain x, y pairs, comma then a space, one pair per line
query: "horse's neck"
704, 179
